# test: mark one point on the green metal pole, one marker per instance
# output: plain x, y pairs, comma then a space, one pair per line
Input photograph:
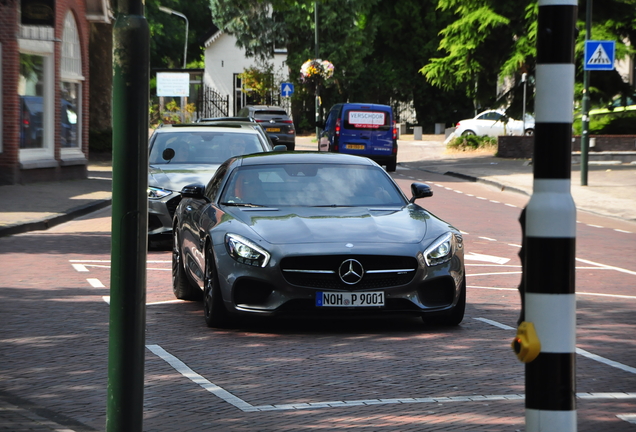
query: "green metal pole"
317, 56
585, 119
129, 219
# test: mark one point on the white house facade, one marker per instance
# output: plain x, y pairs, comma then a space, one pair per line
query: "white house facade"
224, 61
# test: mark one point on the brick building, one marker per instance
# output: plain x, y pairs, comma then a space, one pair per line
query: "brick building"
44, 93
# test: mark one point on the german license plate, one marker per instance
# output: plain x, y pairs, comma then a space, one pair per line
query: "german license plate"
273, 129
349, 299
354, 146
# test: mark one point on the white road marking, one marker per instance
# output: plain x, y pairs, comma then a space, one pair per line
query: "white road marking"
494, 273
239, 403
458, 191
496, 202
578, 293
80, 268
618, 269
487, 238
579, 351
622, 231
603, 360
595, 226
95, 283
495, 323
629, 418
106, 299
184, 370
487, 258
512, 205
470, 195
481, 198
514, 245
165, 302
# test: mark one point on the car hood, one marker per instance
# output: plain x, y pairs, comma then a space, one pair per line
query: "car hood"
336, 224
175, 177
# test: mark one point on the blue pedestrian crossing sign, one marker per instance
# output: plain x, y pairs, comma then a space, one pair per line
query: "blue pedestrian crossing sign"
599, 55
286, 89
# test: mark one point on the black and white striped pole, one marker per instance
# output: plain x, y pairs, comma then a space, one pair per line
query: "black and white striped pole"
546, 340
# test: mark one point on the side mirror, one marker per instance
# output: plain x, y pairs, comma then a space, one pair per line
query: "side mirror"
193, 191
280, 148
320, 124
420, 190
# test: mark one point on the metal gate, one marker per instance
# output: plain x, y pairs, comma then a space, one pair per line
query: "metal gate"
213, 104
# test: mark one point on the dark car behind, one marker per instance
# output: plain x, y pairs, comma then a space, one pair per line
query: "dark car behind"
276, 122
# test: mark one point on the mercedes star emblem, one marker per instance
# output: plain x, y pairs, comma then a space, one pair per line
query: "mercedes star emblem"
350, 272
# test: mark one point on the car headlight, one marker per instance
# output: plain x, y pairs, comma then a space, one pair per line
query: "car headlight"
157, 193
442, 249
246, 252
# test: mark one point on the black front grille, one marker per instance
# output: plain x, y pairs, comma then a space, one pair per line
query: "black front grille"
172, 205
321, 272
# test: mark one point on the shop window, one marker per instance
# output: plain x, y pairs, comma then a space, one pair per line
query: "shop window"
70, 86
32, 108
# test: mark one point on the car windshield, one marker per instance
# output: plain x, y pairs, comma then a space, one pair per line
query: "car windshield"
311, 185
201, 147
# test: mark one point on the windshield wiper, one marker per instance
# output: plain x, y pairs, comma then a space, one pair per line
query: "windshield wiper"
240, 204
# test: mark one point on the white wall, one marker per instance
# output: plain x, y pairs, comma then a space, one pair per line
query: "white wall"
223, 59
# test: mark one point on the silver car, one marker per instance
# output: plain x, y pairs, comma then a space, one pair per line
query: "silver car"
185, 154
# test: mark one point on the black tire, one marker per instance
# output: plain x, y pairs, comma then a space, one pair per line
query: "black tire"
529, 132
456, 315
468, 132
181, 286
390, 167
213, 309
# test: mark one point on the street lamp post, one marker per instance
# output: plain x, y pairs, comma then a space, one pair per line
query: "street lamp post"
185, 50
179, 14
524, 80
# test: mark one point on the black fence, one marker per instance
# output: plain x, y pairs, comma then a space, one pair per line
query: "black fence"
213, 104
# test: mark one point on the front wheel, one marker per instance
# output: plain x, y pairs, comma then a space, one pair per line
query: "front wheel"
213, 309
529, 132
468, 133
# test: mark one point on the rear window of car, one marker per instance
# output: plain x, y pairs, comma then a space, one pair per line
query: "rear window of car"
270, 112
202, 147
363, 119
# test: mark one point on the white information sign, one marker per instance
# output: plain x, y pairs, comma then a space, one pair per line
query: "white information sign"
173, 84
366, 119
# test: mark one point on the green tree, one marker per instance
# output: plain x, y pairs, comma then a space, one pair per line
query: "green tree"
493, 40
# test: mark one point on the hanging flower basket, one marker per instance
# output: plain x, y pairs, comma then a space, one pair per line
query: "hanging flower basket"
312, 70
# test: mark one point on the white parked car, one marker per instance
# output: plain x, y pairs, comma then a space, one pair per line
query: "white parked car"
495, 123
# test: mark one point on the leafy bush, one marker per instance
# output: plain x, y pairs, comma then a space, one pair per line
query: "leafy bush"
473, 142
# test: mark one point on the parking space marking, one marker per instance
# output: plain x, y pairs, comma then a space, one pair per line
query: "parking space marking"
79, 267
579, 351
184, 370
239, 403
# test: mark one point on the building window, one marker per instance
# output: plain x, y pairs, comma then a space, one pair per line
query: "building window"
32, 108
71, 85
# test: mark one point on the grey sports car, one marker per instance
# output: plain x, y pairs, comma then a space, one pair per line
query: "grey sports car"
190, 153
300, 233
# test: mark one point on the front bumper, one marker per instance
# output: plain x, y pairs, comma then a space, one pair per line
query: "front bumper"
274, 290
161, 213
